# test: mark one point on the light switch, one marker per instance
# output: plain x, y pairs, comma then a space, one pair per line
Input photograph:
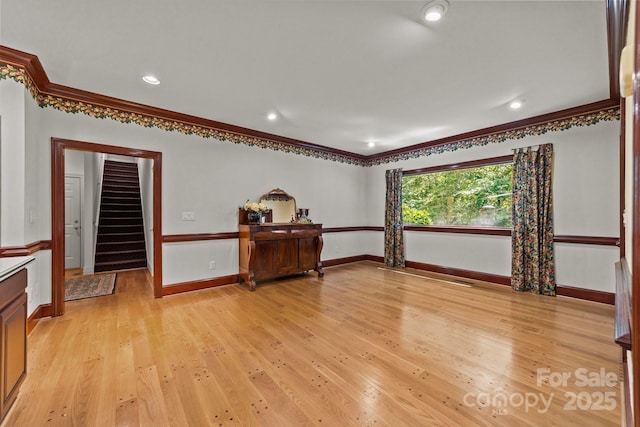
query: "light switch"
188, 216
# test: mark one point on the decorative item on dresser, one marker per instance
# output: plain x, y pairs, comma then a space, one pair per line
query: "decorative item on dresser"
254, 213
274, 249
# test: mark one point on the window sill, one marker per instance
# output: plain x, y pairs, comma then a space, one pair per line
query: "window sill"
487, 231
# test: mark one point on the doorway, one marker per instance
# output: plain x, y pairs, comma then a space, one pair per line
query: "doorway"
58, 147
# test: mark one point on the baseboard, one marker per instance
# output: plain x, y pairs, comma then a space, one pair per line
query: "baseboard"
467, 274
43, 310
199, 284
562, 290
235, 278
340, 261
586, 294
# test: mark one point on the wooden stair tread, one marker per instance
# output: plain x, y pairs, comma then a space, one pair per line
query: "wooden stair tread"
131, 211
120, 242
128, 251
128, 261
123, 242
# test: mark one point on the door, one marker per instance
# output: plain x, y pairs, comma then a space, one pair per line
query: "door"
72, 226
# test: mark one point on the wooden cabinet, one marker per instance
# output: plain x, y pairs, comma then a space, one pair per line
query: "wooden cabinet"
268, 251
13, 337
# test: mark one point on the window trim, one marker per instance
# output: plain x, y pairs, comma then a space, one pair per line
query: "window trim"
461, 229
462, 165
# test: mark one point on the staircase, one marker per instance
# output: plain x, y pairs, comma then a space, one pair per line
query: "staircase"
120, 240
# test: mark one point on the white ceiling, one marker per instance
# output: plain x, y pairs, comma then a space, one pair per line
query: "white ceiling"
340, 73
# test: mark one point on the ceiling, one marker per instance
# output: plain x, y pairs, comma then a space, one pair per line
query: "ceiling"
338, 73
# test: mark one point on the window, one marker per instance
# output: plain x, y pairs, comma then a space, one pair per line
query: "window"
472, 194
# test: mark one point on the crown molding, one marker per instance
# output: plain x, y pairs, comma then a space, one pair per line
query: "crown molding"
26, 68
584, 115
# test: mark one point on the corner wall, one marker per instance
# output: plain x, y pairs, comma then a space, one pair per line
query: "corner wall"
586, 201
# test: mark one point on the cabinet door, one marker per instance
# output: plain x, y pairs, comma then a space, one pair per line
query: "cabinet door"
14, 360
287, 256
265, 258
307, 254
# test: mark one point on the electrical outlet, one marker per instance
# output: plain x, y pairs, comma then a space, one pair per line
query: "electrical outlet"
188, 216
212, 265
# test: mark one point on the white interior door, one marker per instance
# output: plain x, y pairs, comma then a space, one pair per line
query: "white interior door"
72, 225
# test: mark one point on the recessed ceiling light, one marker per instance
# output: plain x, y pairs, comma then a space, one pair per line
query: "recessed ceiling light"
435, 10
272, 117
516, 104
371, 144
151, 80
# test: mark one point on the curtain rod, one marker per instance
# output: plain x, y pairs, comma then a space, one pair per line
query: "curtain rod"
530, 147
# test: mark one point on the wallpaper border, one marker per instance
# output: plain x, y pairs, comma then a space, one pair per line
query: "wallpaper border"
101, 107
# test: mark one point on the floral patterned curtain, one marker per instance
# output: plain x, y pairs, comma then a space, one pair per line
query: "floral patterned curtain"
532, 259
393, 224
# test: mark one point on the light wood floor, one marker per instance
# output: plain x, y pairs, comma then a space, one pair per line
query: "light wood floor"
72, 272
364, 346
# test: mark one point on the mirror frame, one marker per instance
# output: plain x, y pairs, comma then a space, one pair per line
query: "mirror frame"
279, 195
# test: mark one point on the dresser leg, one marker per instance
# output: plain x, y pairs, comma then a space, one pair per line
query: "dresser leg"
318, 268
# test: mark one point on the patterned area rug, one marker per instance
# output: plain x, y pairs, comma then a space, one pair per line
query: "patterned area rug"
89, 286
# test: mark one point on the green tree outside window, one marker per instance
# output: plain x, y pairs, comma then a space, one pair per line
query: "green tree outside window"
478, 196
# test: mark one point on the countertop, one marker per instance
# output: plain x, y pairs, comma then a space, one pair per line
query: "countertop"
10, 265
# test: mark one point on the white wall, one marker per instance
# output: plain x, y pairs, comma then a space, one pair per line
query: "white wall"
12, 163
74, 162
21, 191
212, 178
145, 174
586, 203
88, 214
32, 190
